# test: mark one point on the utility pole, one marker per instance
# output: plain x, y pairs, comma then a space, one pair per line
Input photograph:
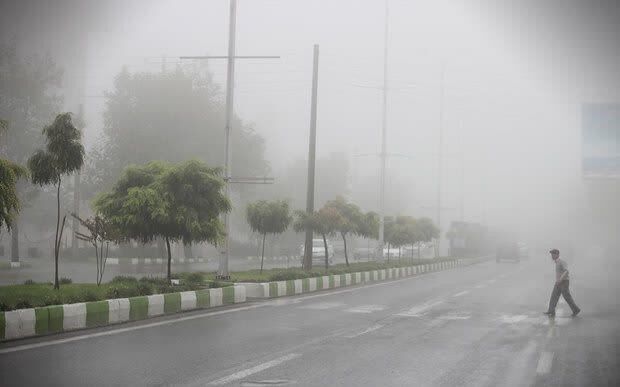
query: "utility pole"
307, 264
222, 272
75, 224
440, 158
383, 155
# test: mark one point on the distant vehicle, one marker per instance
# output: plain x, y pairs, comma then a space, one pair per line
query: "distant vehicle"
318, 252
508, 251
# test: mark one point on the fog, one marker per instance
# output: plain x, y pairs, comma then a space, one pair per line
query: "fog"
514, 77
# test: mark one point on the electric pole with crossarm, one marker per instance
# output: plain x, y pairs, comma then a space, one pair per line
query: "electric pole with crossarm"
222, 272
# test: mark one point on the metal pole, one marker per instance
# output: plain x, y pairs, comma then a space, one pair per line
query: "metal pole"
230, 82
307, 264
383, 141
75, 225
440, 159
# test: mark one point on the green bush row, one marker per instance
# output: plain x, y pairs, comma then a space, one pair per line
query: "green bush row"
32, 294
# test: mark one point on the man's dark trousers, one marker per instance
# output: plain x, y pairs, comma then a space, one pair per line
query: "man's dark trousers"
562, 288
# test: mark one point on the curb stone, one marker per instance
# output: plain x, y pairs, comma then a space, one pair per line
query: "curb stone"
46, 320
309, 285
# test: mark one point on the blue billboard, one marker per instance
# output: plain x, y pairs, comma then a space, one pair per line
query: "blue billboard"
600, 133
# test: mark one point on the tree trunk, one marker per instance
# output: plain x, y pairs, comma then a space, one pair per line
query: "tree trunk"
346, 255
262, 257
104, 259
15, 241
97, 260
399, 255
326, 252
56, 239
389, 248
169, 275
419, 256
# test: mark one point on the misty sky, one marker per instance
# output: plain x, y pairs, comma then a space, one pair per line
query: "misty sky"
515, 75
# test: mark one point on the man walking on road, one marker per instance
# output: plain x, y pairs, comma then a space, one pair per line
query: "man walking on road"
561, 286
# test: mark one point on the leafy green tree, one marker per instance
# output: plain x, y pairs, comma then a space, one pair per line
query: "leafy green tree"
323, 222
351, 220
177, 202
398, 232
369, 226
63, 154
9, 174
266, 217
426, 231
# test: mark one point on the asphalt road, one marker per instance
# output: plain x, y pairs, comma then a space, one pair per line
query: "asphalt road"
476, 326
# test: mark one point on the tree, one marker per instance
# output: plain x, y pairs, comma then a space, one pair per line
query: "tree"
351, 219
9, 174
398, 232
177, 202
28, 101
63, 154
268, 218
369, 226
323, 222
139, 112
100, 233
426, 231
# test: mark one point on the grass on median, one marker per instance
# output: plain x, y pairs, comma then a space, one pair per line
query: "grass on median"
31, 294
281, 274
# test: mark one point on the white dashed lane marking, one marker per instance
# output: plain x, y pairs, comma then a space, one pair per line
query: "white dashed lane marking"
256, 369
420, 310
365, 309
322, 305
461, 293
544, 363
365, 331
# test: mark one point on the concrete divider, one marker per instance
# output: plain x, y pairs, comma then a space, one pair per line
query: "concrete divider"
332, 281
63, 318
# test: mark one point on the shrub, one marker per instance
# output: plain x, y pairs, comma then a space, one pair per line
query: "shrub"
288, 275
29, 282
52, 299
23, 304
73, 299
65, 281
123, 279
89, 296
194, 278
155, 281
144, 289
4, 307
121, 291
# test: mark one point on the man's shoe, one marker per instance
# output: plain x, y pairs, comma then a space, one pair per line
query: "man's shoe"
576, 313
550, 314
